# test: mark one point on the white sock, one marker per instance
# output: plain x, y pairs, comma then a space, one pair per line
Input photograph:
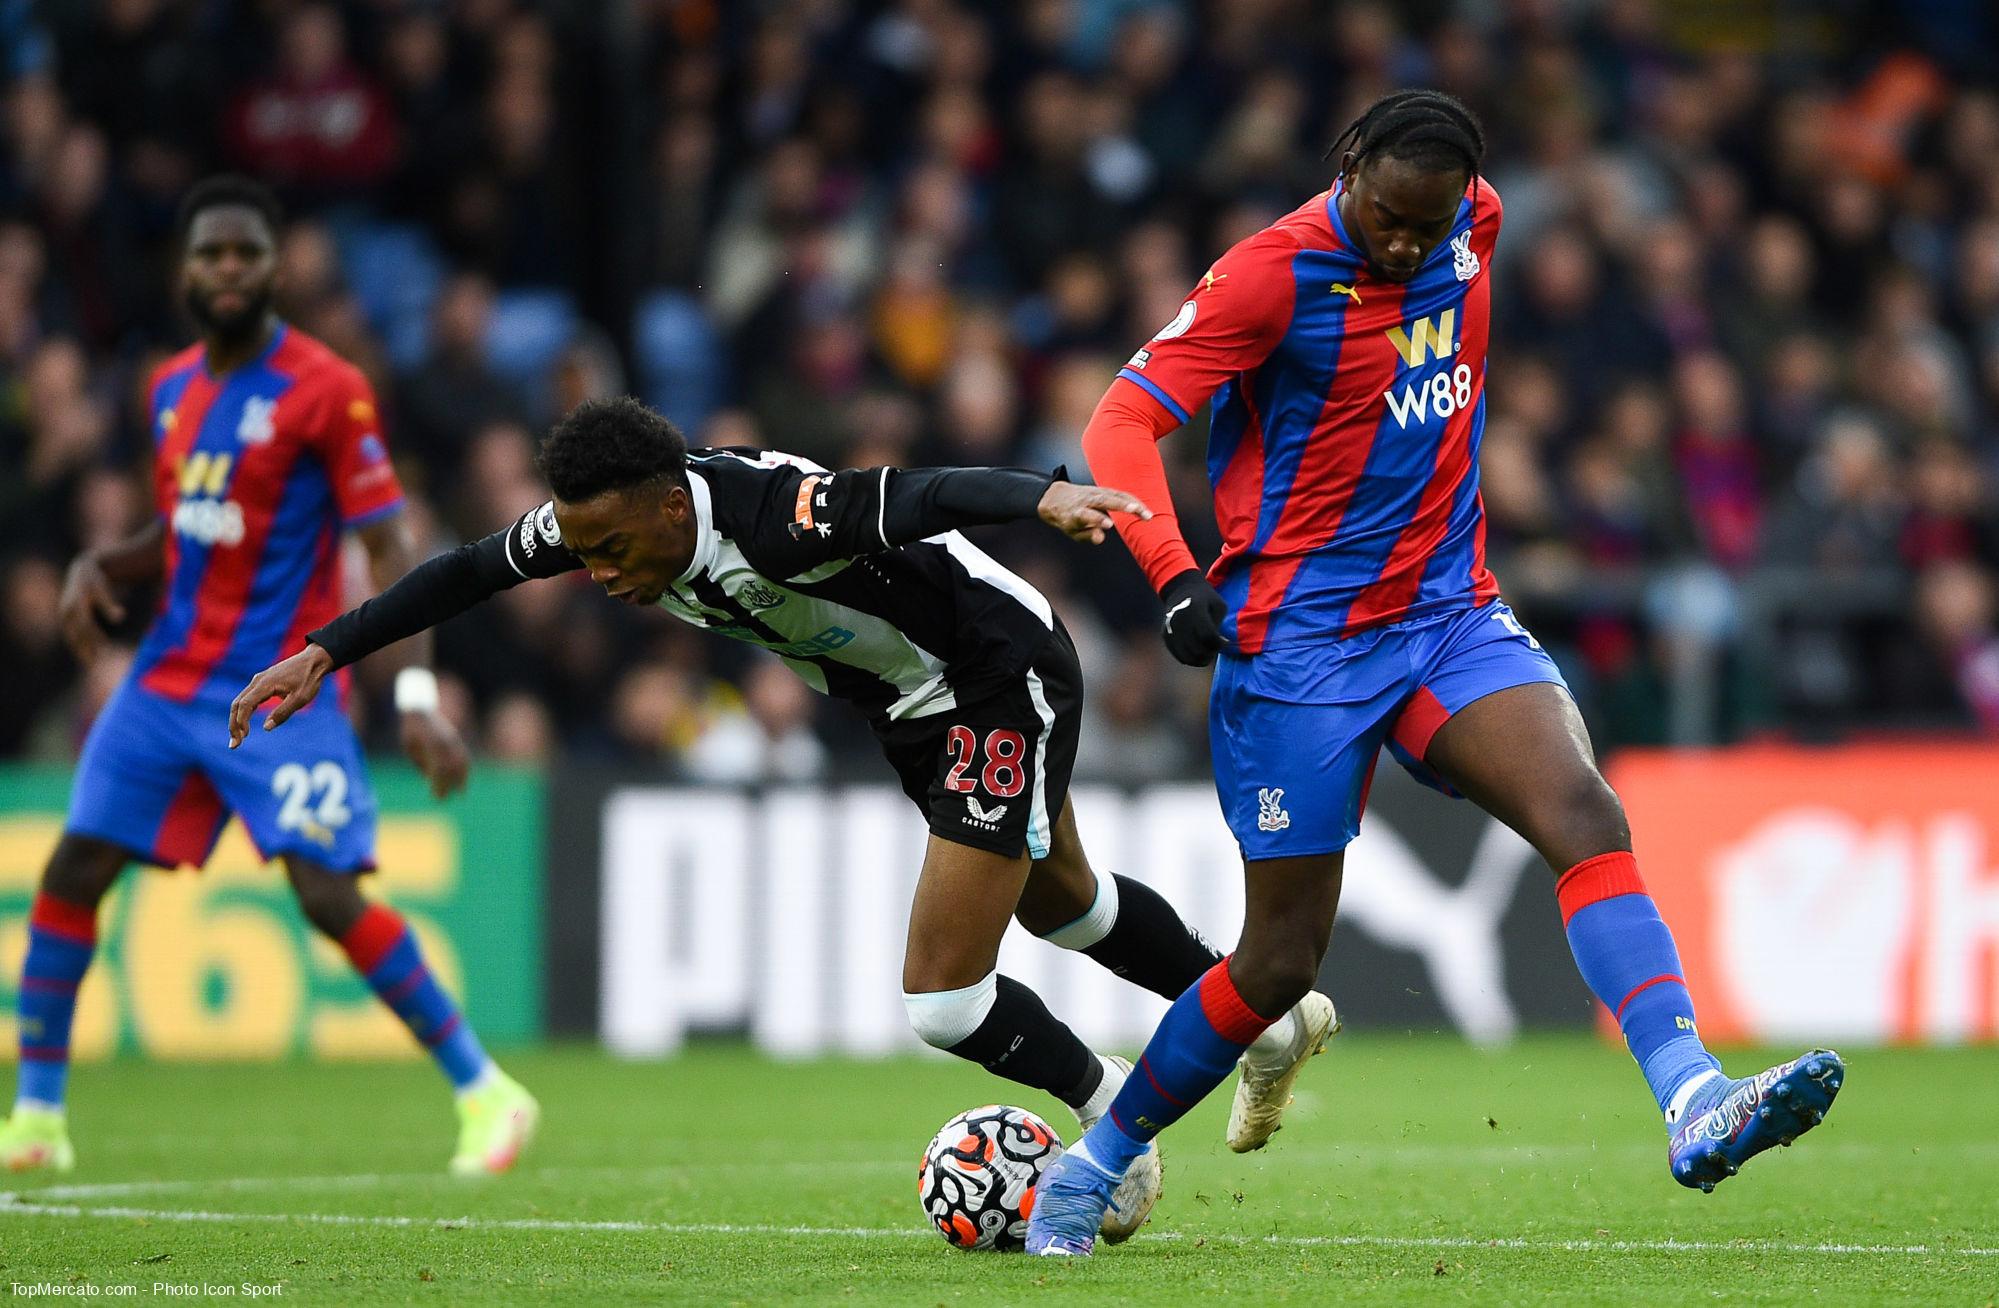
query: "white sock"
37, 1106
1686, 1092
1099, 1101
1274, 1045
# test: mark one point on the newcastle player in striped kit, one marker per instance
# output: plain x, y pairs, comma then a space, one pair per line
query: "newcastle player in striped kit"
860, 581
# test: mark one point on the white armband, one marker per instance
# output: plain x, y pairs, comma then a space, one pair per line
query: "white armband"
416, 691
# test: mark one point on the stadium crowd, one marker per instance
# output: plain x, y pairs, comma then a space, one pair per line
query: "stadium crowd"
1743, 407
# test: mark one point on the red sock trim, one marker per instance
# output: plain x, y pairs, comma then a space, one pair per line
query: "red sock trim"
1222, 1004
1642, 987
1596, 879
59, 917
371, 938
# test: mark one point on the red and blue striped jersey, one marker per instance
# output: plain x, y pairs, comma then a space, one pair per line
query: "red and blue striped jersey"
256, 473
1347, 414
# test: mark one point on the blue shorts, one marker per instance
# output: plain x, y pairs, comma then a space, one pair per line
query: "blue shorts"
158, 778
1296, 731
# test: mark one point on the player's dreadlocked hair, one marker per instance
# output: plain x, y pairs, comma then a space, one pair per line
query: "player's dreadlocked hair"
227, 189
1432, 130
612, 444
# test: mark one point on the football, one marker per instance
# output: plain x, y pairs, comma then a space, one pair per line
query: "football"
977, 1176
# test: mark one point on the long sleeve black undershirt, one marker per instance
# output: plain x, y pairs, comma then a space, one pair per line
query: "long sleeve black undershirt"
867, 510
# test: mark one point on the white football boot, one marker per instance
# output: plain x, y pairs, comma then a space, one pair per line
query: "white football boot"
1264, 1090
1131, 1202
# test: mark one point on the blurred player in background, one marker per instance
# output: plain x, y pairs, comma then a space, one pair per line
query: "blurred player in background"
267, 448
860, 581
1344, 348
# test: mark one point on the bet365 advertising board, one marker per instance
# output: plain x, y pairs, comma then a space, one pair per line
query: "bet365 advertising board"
219, 964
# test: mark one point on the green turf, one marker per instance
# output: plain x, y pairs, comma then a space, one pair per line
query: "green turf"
1413, 1171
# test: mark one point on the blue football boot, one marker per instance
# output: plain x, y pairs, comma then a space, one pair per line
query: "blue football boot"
1730, 1122
1069, 1205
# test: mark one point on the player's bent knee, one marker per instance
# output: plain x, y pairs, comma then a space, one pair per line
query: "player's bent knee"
331, 901
943, 1018
1591, 821
83, 869
1081, 914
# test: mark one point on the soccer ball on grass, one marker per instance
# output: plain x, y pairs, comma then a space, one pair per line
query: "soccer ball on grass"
977, 1176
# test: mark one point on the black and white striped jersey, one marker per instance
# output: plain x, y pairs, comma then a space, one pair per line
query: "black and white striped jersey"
851, 577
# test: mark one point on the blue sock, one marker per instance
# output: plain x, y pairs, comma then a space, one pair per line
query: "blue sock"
1193, 1051
1628, 959
61, 939
383, 949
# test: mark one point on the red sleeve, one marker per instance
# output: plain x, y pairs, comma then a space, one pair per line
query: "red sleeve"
1233, 318
357, 462
1122, 446
1230, 323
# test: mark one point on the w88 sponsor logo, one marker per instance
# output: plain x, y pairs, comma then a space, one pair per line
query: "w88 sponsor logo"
209, 522
1440, 394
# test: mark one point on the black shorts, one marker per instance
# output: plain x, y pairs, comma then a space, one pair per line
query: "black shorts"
994, 774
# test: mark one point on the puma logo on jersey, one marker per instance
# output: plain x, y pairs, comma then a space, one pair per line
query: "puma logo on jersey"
1341, 288
1210, 277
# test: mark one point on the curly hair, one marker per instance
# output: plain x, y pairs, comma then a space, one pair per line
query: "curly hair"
1432, 130
228, 189
611, 444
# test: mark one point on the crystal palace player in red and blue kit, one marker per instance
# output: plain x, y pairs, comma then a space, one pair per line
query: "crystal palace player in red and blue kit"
1343, 351
266, 449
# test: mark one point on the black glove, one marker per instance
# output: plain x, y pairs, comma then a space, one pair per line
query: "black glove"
1194, 613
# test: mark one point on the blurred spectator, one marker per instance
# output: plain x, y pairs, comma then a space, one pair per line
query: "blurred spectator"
1746, 305
1718, 459
769, 739
317, 124
454, 391
1955, 617
1128, 735
39, 669
1845, 510
519, 730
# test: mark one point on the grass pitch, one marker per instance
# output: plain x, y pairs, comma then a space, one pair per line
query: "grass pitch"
1413, 1171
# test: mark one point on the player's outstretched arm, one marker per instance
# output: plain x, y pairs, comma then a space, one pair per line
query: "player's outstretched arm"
1122, 445
860, 511
428, 594
1083, 513
294, 683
